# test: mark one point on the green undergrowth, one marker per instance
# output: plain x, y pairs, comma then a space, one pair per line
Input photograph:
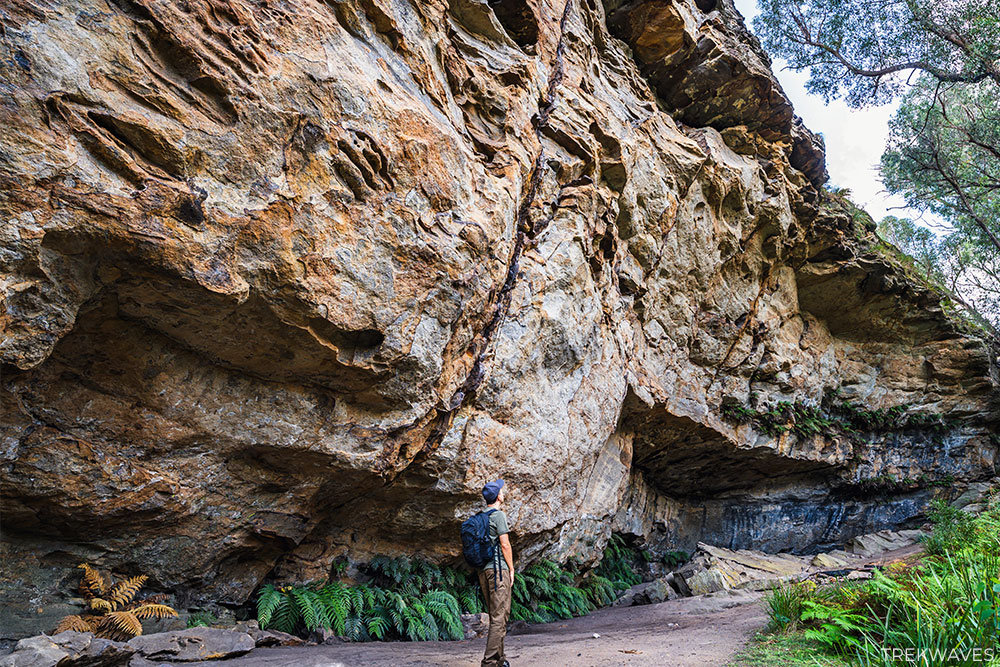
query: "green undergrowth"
405, 599
834, 416
785, 650
939, 610
202, 619
416, 600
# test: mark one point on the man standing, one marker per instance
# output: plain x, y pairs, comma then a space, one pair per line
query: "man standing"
497, 578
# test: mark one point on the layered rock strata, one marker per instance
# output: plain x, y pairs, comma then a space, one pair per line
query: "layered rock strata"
289, 281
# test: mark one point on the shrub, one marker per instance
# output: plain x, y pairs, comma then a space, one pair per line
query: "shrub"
962, 534
954, 529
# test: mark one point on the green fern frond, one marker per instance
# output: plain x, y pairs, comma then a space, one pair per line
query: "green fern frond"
307, 608
286, 616
267, 603
378, 623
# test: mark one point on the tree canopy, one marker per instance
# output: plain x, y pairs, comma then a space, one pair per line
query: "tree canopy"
858, 49
940, 59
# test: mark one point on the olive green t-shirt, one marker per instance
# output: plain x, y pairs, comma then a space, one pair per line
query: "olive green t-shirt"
498, 527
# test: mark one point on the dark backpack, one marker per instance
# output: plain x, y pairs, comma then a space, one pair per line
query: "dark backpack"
477, 547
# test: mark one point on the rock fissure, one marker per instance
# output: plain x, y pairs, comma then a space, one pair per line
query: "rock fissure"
525, 231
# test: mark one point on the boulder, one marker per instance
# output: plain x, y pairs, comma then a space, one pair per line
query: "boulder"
827, 561
68, 649
975, 494
650, 592
193, 644
39, 651
873, 544
264, 638
323, 636
475, 625
717, 568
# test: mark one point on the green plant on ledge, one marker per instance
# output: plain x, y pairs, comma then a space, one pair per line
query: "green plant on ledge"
618, 564
834, 416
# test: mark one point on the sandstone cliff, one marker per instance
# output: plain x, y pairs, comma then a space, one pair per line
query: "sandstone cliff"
284, 281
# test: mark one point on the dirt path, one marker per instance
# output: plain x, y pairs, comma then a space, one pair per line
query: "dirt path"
702, 631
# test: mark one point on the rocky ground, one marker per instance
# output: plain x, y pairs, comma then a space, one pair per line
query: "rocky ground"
697, 631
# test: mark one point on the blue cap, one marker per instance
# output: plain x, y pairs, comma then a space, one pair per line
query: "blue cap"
492, 490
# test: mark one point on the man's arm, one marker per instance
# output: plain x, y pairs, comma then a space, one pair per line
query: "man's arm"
508, 554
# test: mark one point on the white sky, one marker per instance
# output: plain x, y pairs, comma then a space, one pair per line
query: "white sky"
854, 138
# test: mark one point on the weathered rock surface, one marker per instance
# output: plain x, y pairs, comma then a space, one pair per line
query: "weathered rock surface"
193, 644
650, 592
716, 568
68, 649
475, 625
283, 282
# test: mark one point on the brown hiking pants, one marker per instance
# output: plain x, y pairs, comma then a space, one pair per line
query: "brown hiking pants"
498, 605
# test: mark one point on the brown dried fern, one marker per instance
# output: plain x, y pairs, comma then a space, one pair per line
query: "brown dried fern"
120, 626
93, 583
153, 611
105, 621
101, 606
75, 624
123, 592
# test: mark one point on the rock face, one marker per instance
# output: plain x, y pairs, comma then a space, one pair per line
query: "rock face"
289, 281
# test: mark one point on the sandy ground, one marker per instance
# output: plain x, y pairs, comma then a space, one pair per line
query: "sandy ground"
703, 631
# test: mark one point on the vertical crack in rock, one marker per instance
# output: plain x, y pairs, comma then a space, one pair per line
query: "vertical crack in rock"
525, 231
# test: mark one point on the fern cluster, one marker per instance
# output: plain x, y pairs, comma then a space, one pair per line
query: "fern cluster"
406, 599
619, 564
412, 599
545, 592
360, 613
113, 612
